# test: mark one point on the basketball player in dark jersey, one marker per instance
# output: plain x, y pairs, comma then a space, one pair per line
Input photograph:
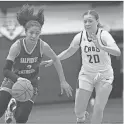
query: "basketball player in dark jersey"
23, 62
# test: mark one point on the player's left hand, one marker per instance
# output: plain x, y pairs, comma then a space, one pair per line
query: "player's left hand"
23, 79
99, 77
95, 41
47, 63
68, 89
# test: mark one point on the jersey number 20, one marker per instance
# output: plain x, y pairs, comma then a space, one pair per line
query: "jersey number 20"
93, 58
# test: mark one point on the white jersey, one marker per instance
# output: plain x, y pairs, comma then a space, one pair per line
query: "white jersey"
93, 58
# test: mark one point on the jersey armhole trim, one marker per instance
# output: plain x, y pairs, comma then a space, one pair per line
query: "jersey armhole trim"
102, 41
41, 47
19, 49
101, 38
81, 38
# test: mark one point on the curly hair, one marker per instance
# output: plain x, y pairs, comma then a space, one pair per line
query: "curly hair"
26, 14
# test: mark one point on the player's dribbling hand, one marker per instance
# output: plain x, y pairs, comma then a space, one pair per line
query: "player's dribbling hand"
23, 79
68, 89
47, 63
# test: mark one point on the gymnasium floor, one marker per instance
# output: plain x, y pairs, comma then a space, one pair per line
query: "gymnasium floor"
63, 113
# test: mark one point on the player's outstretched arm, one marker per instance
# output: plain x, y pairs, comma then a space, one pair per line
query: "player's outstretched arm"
74, 46
51, 54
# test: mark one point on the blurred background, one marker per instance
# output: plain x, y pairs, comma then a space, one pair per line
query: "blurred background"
63, 20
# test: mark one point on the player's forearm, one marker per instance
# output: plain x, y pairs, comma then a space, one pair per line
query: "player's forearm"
8, 73
59, 69
112, 50
66, 54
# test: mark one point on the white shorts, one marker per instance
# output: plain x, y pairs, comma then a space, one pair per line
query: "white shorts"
88, 81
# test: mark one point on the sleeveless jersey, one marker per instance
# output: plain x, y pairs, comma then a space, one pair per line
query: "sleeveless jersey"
93, 58
26, 64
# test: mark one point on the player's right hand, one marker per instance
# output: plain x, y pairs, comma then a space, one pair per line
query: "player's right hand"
68, 89
23, 79
47, 63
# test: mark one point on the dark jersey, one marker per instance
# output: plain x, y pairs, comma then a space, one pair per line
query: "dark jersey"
27, 64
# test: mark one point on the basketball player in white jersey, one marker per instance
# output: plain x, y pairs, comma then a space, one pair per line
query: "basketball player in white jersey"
96, 72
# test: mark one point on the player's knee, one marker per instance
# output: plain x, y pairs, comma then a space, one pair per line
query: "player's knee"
107, 87
99, 108
22, 119
98, 111
77, 111
4, 100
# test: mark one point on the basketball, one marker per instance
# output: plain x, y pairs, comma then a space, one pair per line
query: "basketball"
22, 90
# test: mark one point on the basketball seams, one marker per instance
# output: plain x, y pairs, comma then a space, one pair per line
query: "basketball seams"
21, 95
27, 91
22, 85
28, 87
17, 90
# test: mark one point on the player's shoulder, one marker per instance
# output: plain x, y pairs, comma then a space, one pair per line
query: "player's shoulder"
78, 36
104, 32
16, 44
14, 50
43, 44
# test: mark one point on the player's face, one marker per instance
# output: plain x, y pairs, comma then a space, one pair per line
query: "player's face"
90, 23
33, 33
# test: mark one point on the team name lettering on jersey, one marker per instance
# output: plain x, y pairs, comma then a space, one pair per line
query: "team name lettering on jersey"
29, 68
28, 60
90, 49
26, 71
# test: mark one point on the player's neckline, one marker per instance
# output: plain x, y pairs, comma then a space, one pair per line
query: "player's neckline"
90, 39
25, 47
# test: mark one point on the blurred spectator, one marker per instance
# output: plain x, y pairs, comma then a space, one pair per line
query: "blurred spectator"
11, 29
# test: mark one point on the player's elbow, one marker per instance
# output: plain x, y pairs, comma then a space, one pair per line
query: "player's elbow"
72, 51
7, 68
118, 52
55, 59
9, 74
5, 72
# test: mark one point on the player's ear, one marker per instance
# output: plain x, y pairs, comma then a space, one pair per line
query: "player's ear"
97, 22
